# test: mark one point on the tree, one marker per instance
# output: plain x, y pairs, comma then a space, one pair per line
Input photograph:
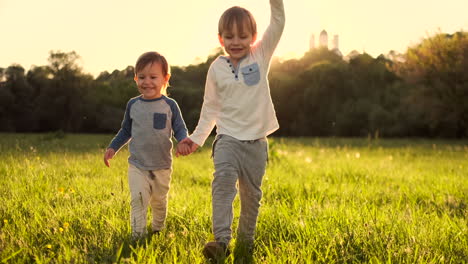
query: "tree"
2, 74
63, 62
62, 103
19, 110
110, 94
7, 100
437, 68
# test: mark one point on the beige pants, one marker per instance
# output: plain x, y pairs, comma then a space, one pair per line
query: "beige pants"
148, 187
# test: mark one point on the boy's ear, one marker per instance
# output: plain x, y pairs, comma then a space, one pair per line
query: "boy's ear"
254, 38
220, 40
135, 78
168, 76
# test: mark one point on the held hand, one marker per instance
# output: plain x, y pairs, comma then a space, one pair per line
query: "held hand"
108, 155
187, 146
193, 146
182, 149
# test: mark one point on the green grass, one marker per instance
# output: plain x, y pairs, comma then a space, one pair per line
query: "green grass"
325, 201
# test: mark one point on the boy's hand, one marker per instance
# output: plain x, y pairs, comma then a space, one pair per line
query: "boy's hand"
186, 147
182, 149
193, 145
108, 155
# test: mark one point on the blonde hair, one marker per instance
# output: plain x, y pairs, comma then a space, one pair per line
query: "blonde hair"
241, 17
151, 57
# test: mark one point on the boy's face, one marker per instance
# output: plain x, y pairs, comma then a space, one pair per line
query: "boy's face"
236, 44
150, 80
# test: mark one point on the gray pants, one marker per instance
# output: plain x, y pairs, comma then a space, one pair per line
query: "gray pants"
243, 161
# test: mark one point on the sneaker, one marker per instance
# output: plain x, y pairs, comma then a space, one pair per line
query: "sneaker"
216, 250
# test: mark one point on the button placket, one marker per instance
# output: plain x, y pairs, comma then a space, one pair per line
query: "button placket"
233, 70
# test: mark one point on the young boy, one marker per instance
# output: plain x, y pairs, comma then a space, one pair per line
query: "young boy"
149, 123
237, 100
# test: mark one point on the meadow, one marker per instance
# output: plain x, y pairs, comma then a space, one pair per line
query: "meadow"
326, 200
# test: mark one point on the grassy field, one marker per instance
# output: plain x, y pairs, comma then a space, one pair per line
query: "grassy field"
325, 201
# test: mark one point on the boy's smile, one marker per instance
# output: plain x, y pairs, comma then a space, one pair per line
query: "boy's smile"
236, 44
150, 81
236, 51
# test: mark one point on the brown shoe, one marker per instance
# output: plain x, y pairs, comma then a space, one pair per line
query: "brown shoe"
216, 250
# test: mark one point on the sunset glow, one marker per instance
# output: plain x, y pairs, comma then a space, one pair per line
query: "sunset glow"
110, 35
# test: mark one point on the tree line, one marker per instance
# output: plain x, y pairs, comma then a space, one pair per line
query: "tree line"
420, 93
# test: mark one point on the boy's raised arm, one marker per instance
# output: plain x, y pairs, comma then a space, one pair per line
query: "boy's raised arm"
273, 33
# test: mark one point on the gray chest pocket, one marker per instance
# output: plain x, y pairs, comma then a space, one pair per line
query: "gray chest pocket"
159, 120
251, 74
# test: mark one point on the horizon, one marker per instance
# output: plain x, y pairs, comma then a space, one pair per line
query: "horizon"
110, 35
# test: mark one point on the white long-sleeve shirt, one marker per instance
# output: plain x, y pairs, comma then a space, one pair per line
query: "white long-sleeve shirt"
238, 100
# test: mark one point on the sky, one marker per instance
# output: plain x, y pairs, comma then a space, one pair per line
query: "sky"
111, 34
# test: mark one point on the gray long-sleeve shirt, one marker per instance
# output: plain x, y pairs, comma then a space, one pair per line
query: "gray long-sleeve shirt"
149, 126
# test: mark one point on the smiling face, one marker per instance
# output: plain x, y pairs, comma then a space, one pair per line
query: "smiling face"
151, 80
236, 43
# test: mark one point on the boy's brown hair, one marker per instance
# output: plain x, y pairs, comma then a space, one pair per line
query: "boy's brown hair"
151, 57
239, 15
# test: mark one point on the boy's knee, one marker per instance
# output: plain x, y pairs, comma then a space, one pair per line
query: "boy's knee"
138, 199
159, 200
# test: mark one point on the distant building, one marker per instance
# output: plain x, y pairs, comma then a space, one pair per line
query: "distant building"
336, 45
323, 42
335, 42
312, 42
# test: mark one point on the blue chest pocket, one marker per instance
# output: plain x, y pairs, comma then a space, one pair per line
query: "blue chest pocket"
159, 120
251, 74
